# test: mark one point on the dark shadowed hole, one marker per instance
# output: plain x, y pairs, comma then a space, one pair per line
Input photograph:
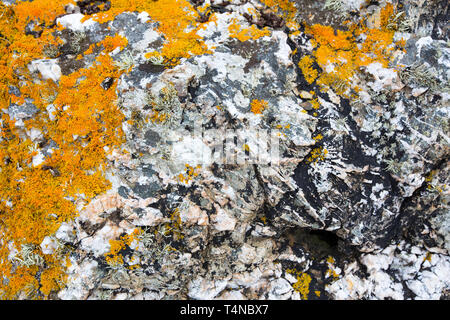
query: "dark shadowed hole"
319, 243
329, 237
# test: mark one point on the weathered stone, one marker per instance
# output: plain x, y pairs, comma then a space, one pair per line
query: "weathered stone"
355, 196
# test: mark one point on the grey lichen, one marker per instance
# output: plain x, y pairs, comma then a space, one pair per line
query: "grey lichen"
165, 104
125, 61
400, 22
337, 6
28, 257
420, 74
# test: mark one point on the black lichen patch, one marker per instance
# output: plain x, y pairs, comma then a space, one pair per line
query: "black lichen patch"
152, 138
116, 217
151, 68
145, 191
107, 83
93, 6
90, 228
305, 181
266, 19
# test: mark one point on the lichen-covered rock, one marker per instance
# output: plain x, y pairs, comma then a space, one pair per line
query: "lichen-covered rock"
254, 150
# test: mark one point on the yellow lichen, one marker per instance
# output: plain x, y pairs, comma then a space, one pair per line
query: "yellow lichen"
264, 220
317, 154
331, 272
308, 71
283, 129
315, 104
302, 284
318, 137
173, 227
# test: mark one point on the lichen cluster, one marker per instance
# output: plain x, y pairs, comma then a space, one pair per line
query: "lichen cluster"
302, 284
47, 181
340, 54
258, 106
113, 258
37, 197
174, 18
84, 125
244, 34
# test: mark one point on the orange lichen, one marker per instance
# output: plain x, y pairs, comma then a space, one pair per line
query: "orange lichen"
109, 44
113, 257
18, 49
245, 34
154, 55
35, 198
283, 8
340, 54
177, 19
190, 174
52, 279
258, 106
43, 11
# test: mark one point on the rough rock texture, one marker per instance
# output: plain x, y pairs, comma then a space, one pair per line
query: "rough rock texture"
366, 219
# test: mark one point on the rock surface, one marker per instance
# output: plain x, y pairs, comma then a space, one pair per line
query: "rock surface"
318, 196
